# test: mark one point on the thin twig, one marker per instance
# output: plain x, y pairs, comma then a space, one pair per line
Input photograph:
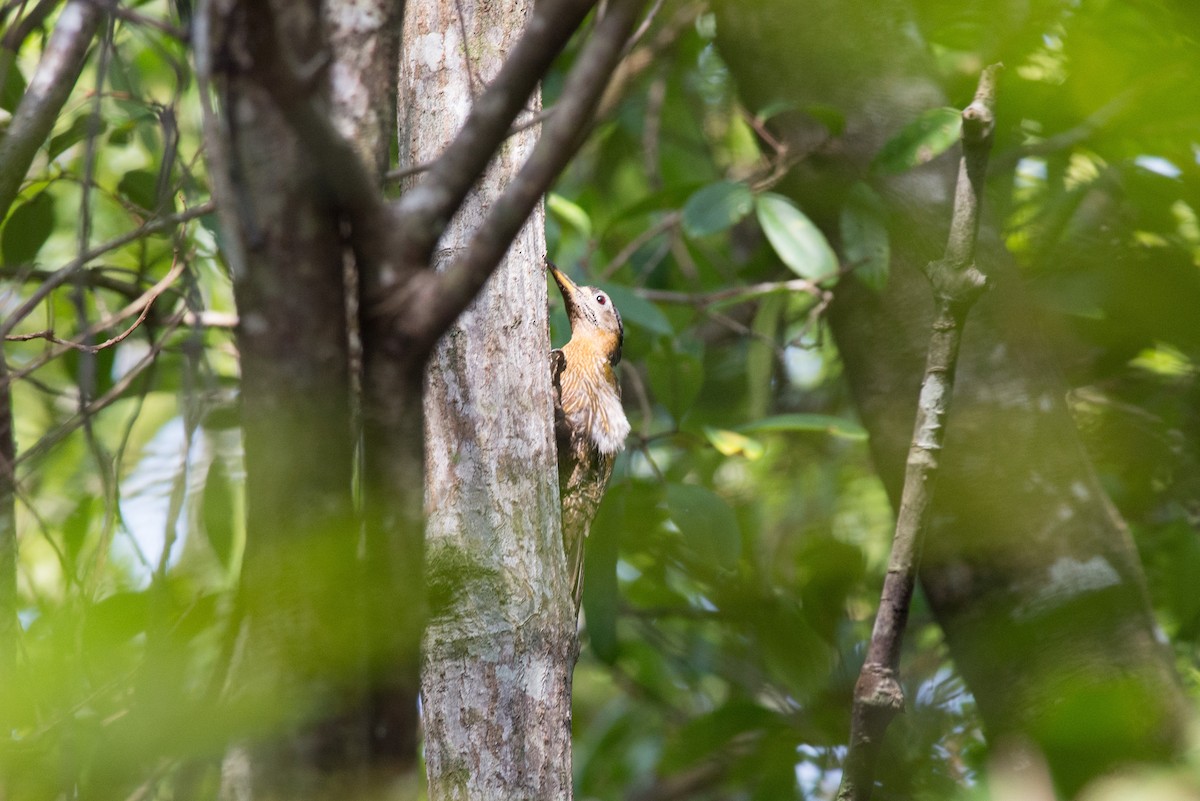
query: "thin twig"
666, 223
957, 283
141, 307
737, 294
114, 393
64, 273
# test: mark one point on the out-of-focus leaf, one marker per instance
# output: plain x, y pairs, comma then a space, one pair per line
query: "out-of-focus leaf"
797, 241
217, 512
865, 236
792, 650
701, 736
831, 570
760, 354
98, 378
707, 523
75, 133
670, 197
638, 310
600, 594
570, 213
922, 140
14, 83
774, 108
731, 443
716, 207
829, 116
116, 619
27, 229
140, 187
676, 377
75, 527
828, 424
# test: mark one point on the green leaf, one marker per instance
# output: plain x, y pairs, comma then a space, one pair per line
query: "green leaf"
773, 109
570, 213
707, 523
675, 378
27, 229
792, 650
75, 527
14, 83
116, 619
75, 133
731, 443
806, 422
217, 512
865, 236
830, 116
704, 734
797, 241
716, 207
922, 140
601, 596
638, 310
760, 353
140, 187
92, 371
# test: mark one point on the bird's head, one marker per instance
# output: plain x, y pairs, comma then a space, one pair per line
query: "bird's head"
593, 317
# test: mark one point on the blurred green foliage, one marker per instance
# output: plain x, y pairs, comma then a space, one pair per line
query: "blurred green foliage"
733, 570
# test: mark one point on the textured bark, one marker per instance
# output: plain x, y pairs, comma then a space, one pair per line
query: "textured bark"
301, 538
364, 36
499, 642
1027, 567
364, 39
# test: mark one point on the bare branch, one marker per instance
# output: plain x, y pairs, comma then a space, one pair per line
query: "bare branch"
108, 398
64, 273
56, 75
437, 299
425, 210
878, 694
140, 307
737, 294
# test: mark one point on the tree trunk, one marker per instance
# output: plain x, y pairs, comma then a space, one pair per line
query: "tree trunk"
1027, 567
499, 643
300, 659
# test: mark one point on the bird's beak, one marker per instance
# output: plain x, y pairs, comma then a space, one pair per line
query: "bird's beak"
566, 286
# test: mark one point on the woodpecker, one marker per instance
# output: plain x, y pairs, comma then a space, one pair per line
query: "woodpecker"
589, 422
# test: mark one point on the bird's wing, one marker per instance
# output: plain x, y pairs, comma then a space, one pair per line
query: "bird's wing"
562, 434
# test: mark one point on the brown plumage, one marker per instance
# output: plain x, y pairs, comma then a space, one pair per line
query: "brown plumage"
589, 421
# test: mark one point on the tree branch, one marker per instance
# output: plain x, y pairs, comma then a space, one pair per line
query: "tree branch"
59, 69
425, 210
878, 695
64, 273
438, 298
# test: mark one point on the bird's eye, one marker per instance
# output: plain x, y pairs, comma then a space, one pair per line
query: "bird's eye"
601, 299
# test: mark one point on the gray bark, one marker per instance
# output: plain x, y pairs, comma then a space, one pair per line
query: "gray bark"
363, 38
498, 646
298, 579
